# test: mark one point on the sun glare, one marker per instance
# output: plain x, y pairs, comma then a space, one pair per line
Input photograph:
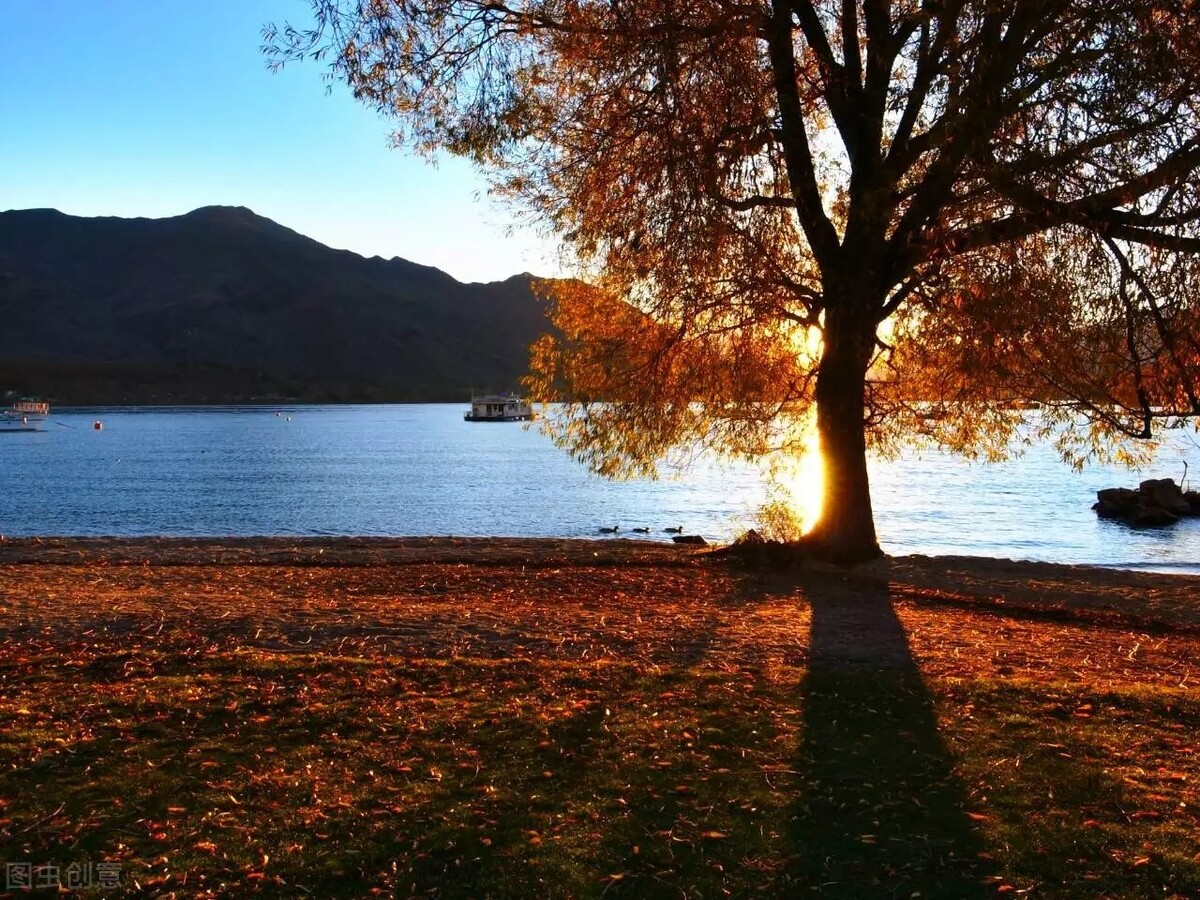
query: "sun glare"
800, 480
808, 343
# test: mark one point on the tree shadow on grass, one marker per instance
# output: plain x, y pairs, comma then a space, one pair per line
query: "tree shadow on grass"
668, 775
880, 812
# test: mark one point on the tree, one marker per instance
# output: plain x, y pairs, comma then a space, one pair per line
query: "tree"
908, 216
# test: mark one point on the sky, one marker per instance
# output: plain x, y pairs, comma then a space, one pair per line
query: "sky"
155, 107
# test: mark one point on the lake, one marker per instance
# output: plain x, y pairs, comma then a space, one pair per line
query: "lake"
421, 470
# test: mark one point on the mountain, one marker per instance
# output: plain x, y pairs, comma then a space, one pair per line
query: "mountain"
222, 305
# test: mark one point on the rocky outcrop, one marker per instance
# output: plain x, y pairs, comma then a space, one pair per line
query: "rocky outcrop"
1156, 503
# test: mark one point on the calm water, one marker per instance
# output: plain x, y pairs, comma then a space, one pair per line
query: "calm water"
421, 470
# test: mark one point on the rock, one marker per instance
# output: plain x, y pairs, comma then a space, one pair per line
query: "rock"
1151, 517
690, 539
1116, 496
1165, 494
1116, 503
1156, 503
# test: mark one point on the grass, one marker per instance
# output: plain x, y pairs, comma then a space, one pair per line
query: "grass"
438, 730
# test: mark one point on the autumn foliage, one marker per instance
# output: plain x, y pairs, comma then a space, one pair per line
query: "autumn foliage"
884, 212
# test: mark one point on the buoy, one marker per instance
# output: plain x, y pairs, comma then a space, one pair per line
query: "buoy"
98, 425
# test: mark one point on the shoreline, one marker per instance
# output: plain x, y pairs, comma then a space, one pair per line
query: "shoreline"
990, 510
1171, 600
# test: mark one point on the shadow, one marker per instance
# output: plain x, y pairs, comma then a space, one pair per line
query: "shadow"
880, 812
715, 762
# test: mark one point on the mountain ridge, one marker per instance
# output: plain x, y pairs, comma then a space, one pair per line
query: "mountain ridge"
222, 305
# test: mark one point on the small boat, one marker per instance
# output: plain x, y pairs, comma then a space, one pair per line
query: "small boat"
498, 408
24, 415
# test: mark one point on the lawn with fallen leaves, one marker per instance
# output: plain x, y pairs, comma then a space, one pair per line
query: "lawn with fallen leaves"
556, 719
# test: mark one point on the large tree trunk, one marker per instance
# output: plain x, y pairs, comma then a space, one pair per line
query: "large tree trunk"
845, 530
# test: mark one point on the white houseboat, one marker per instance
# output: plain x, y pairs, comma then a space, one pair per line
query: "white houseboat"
498, 408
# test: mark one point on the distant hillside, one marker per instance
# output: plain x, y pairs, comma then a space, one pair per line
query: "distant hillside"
222, 305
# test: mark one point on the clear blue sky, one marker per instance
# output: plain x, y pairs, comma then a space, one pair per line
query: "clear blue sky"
155, 107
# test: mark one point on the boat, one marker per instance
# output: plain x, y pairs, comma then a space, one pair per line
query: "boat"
498, 408
24, 415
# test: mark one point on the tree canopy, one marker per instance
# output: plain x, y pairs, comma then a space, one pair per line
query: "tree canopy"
909, 218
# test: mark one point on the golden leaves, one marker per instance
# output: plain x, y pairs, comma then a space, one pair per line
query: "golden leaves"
635, 385
725, 192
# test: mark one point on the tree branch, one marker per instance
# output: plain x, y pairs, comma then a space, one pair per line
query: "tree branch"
822, 236
756, 201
